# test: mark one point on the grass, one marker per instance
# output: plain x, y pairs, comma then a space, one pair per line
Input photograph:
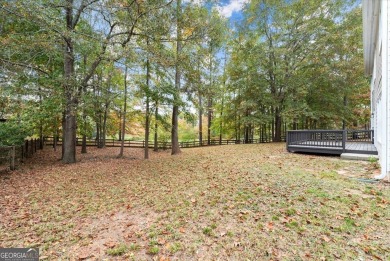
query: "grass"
153, 250
117, 251
207, 231
239, 202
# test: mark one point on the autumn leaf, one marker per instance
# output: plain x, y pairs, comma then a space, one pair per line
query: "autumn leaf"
270, 225
325, 238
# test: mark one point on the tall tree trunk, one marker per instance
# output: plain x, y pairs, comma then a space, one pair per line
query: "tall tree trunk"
221, 121
246, 128
69, 129
106, 110
175, 134
55, 139
147, 120
84, 140
40, 120
210, 98
120, 125
124, 117
98, 131
84, 144
278, 125
100, 112
239, 128
69, 132
176, 98
69, 140
200, 111
209, 119
84, 137
104, 129
246, 134
156, 127
223, 100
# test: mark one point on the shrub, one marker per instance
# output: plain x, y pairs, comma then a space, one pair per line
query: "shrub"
13, 133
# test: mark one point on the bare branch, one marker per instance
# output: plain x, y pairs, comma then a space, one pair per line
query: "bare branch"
25, 66
80, 10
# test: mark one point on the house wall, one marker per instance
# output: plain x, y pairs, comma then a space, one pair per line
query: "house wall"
385, 84
380, 94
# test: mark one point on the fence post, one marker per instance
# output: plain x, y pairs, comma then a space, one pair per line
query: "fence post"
344, 139
12, 166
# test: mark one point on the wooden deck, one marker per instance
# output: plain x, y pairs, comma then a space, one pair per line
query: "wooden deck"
331, 142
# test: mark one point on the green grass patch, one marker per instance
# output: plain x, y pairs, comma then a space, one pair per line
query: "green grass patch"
117, 251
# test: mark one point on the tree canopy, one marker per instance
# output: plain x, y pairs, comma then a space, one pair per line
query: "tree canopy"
177, 70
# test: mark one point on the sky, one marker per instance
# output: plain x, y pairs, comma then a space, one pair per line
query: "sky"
231, 9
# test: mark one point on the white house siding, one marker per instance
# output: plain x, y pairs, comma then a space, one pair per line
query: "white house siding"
386, 84
380, 72
382, 94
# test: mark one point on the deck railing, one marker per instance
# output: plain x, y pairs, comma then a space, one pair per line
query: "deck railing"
360, 135
333, 139
316, 138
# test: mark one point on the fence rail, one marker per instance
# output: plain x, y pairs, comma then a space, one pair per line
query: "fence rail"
161, 144
12, 156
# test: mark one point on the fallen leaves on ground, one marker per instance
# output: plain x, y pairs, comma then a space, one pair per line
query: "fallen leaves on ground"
228, 202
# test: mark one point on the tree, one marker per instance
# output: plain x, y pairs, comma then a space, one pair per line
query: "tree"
116, 28
123, 131
289, 59
176, 95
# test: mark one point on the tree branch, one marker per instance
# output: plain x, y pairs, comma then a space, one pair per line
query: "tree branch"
25, 66
80, 10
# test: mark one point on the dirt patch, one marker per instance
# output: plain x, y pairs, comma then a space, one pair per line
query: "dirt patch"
110, 231
358, 193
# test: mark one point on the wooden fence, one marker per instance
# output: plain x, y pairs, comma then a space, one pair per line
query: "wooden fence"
12, 156
161, 144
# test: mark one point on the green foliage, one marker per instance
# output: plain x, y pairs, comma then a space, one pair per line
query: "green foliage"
153, 250
207, 231
174, 247
297, 63
13, 133
117, 251
373, 159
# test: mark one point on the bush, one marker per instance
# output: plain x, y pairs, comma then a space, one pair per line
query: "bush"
12, 133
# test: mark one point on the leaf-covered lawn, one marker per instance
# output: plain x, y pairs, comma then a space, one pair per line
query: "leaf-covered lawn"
236, 202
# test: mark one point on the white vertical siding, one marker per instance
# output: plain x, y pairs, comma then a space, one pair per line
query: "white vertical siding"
376, 26
380, 89
386, 85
